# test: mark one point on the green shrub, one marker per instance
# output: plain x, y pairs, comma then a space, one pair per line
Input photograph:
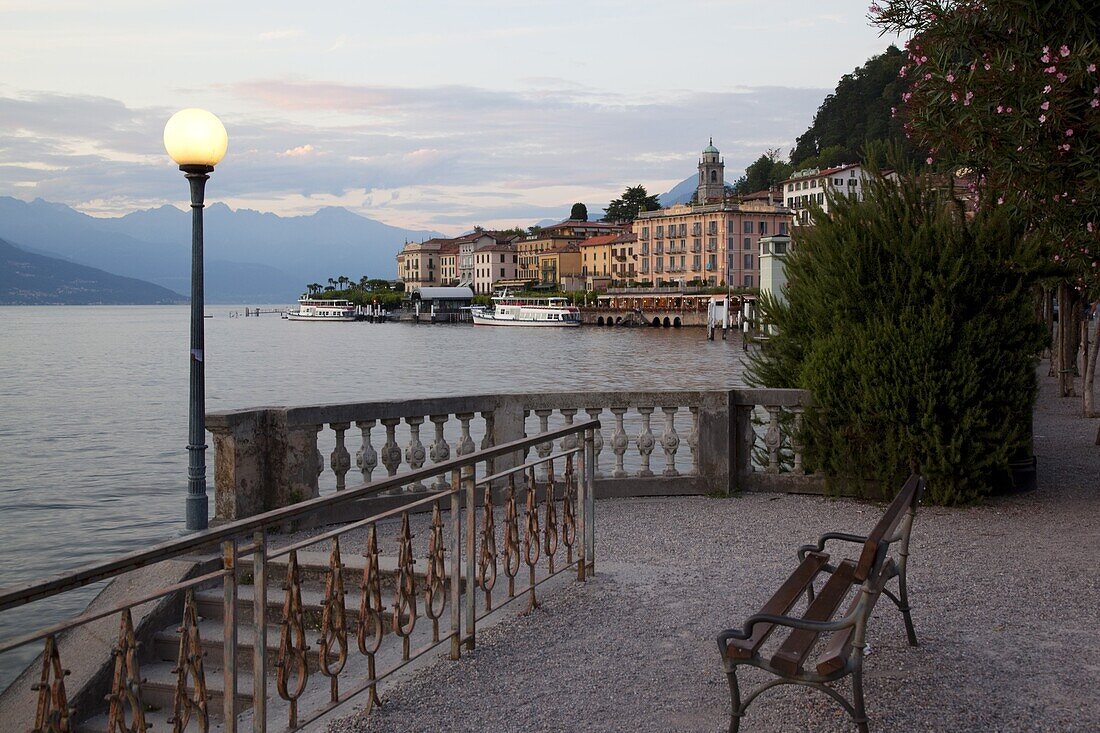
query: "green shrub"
912, 326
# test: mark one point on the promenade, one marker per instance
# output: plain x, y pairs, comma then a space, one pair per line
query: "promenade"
1004, 599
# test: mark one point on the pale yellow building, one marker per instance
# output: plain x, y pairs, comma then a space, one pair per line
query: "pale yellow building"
561, 267
596, 255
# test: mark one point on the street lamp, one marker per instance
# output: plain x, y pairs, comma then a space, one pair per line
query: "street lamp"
196, 140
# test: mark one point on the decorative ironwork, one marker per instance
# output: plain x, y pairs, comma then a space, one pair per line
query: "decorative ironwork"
125, 713
435, 584
53, 704
551, 523
511, 537
370, 630
531, 536
189, 667
404, 603
487, 559
292, 665
569, 510
334, 623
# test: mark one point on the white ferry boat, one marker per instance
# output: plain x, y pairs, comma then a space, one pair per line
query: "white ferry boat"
508, 310
310, 309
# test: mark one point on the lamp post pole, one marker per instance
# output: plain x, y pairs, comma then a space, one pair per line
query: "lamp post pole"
197, 503
196, 140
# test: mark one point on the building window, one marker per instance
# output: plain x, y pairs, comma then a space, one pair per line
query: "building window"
645, 232
696, 262
683, 229
748, 262
748, 281
502, 272
748, 244
747, 227
763, 227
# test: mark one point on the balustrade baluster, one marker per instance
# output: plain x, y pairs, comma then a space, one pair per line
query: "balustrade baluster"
414, 452
527, 450
340, 459
646, 442
546, 448
772, 439
796, 440
670, 441
391, 451
487, 441
366, 458
594, 414
440, 451
619, 441
569, 441
693, 439
465, 443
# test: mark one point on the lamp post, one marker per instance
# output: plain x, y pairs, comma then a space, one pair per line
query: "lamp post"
196, 140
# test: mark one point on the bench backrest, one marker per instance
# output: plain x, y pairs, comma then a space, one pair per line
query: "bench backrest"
878, 542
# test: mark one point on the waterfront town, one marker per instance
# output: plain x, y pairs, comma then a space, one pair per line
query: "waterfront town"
869, 508
718, 239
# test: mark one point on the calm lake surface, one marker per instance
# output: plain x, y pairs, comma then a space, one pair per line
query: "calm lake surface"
93, 407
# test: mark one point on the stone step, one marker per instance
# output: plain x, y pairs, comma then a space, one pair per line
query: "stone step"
159, 687
211, 605
156, 720
313, 569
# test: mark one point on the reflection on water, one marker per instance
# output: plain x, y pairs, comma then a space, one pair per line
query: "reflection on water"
94, 406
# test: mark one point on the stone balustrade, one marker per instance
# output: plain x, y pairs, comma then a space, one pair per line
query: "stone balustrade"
654, 443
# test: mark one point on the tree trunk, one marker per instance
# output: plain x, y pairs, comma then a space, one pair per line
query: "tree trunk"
1067, 362
1091, 352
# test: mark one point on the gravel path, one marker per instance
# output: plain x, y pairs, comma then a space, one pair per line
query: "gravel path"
1004, 595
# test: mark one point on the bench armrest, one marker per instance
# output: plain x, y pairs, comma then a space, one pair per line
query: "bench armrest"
788, 621
839, 536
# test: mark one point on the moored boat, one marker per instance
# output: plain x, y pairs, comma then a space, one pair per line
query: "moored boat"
310, 309
508, 310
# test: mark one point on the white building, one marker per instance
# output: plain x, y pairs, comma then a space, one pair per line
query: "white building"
809, 186
492, 262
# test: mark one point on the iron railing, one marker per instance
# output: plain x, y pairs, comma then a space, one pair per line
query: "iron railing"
542, 520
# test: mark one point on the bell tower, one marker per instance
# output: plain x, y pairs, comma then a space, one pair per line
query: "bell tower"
712, 175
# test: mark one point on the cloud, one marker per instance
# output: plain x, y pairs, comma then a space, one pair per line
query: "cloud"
297, 152
282, 34
443, 157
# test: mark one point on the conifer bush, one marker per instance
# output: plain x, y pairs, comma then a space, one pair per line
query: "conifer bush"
912, 325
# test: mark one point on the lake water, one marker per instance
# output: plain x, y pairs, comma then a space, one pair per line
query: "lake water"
93, 407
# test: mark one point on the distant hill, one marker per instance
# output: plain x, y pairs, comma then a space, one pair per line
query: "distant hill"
27, 278
250, 256
856, 113
681, 193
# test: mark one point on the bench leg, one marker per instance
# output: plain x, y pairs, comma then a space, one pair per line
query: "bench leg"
735, 701
860, 713
903, 592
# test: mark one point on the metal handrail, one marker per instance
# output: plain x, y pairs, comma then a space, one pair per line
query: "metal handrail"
19, 595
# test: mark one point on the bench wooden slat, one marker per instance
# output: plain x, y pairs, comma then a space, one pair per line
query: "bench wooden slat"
886, 526
836, 653
797, 646
779, 604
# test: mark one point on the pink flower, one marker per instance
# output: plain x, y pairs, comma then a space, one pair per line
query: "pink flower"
1008, 110
1064, 50
987, 67
928, 77
951, 78
1062, 77
1000, 199
1045, 58
1046, 89
1091, 68
1094, 103
1042, 118
1044, 106
924, 59
1069, 132
1089, 226
954, 97
928, 160
969, 96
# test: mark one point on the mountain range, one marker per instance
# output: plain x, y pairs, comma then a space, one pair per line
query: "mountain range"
27, 278
250, 256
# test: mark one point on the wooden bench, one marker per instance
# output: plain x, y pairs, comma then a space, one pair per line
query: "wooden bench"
841, 639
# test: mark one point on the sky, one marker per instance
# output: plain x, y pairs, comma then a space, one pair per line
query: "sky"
428, 115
